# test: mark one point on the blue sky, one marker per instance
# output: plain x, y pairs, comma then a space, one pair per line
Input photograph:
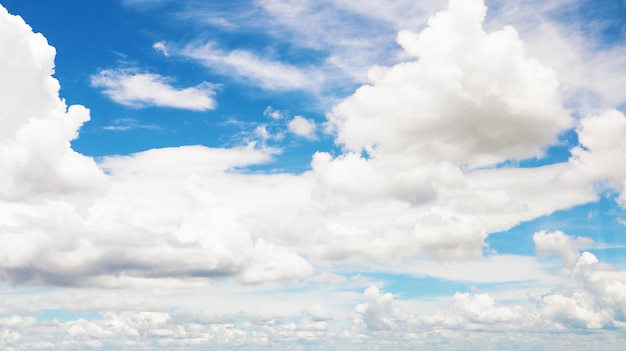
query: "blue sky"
312, 175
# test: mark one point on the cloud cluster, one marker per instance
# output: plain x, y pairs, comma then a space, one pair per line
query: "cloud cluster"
69, 221
194, 212
592, 297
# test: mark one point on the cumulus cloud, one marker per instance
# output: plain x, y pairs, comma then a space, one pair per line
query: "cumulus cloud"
36, 159
303, 127
379, 312
132, 88
132, 233
472, 97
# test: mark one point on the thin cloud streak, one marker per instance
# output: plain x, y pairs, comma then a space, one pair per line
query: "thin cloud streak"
132, 88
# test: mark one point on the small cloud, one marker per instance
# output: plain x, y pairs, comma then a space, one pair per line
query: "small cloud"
131, 88
303, 127
272, 113
160, 46
621, 221
125, 124
262, 133
317, 313
591, 215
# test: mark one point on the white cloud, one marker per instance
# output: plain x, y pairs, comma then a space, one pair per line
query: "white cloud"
273, 113
131, 88
588, 66
558, 242
317, 312
379, 312
590, 297
186, 217
602, 148
36, 160
67, 223
365, 38
244, 65
161, 47
472, 97
303, 127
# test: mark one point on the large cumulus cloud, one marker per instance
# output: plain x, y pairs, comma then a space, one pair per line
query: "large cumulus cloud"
470, 97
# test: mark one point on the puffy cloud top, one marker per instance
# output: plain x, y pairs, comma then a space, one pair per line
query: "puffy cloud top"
471, 97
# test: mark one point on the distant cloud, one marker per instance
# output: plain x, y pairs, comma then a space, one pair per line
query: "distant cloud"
131, 88
124, 124
272, 113
304, 127
161, 47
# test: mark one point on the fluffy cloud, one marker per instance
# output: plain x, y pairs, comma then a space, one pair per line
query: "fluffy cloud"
602, 150
184, 230
131, 88
590, 67
304, 127
379, 312
35, 155
472, 97
591, 297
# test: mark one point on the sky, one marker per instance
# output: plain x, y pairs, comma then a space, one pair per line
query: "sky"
312, 175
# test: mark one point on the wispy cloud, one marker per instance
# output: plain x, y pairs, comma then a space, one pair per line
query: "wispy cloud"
245, 65
124, 124
131, 88
161, 47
